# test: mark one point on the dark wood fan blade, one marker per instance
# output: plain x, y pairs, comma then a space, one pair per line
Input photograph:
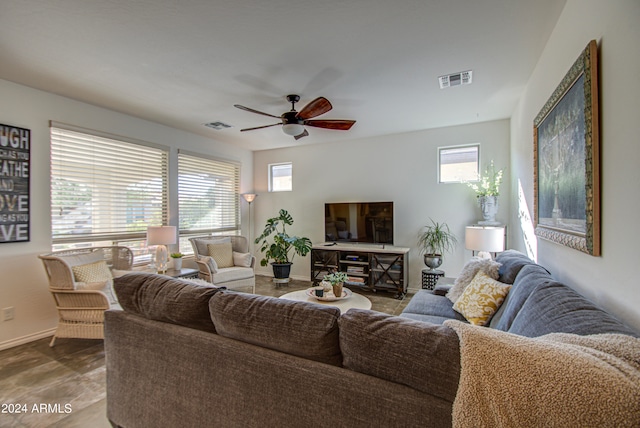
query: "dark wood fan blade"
303, 134
315, 108
260, 127
339, 124
254, 111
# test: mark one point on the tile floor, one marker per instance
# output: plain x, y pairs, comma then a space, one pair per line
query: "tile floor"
69, 379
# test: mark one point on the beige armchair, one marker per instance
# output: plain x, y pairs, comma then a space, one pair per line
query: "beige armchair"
80, 281
241, 271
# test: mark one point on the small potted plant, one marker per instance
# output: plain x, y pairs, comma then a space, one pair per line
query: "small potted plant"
177, 260
435, 240
337, 280
282, 246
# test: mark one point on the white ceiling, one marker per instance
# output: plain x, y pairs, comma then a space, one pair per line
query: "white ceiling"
184, 63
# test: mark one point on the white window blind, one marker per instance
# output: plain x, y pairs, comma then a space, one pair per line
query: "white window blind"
208, 200
105, 190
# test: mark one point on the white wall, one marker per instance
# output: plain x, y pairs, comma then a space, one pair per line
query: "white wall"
401, 168
23, 284
615, 25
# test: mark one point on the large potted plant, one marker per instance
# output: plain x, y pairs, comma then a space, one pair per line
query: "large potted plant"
435, 240
282, 248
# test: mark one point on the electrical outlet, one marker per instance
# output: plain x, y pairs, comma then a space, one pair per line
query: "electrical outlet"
8, 313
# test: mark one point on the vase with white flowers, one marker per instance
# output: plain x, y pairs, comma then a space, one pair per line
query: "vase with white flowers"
487, 190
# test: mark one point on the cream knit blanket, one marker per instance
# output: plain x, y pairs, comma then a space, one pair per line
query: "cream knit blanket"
556, 380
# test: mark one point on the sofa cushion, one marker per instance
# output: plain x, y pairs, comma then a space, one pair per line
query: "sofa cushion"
222, 253
83, 259
92, 272
556, 308
201, 243
242, 259
529, 277
426, 303
481, 299
442, 289
420, 355
511, 261
95, 276
210, 262
303, 329
162, 298
233, 273
469, 271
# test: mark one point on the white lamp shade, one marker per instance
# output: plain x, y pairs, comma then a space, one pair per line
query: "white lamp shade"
161, 235
249, 197
293, 129
489, 239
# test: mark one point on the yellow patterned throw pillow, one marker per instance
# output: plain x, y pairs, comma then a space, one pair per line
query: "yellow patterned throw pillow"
481, 299
92, 272
222, 254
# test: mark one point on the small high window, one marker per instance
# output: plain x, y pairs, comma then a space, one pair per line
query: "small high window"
281, 177
458, 163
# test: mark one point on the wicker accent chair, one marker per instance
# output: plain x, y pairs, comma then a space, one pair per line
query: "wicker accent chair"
234, 277
81, 305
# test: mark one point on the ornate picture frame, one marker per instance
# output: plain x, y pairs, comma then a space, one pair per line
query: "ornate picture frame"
566, 169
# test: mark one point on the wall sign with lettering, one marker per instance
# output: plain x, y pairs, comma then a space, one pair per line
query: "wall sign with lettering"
15, 144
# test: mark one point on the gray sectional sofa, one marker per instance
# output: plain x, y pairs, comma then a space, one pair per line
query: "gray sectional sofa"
180, 354
536, 304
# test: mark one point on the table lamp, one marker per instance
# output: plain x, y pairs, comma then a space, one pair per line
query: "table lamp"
484, 239
161, 236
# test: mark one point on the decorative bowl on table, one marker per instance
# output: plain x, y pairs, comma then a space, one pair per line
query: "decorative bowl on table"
329, 296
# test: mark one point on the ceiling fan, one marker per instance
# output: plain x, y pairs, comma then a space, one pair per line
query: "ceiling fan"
293, 122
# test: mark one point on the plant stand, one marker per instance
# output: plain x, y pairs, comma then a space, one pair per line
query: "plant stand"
430, 277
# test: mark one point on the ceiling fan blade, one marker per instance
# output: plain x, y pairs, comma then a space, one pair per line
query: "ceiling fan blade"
315, 108
254, 111
260, 127
303, 134
339, 124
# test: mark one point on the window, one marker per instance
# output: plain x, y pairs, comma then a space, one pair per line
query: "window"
458, 164
280, 177
105, 190
208, 197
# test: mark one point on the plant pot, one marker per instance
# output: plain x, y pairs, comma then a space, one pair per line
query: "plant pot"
489, 208
433, 261
337, 289
281, 272
177, 263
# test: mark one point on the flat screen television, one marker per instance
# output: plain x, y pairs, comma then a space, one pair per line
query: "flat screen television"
359, 222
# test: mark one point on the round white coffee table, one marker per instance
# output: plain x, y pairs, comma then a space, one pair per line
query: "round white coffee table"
357, 301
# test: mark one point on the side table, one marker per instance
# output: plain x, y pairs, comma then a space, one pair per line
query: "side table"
430, 278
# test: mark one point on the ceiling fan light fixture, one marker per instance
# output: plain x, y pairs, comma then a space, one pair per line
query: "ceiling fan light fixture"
293, 129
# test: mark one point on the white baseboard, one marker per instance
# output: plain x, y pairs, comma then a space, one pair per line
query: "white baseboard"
26, 339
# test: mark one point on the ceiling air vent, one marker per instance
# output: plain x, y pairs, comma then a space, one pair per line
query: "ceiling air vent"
217, 125
456, 79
